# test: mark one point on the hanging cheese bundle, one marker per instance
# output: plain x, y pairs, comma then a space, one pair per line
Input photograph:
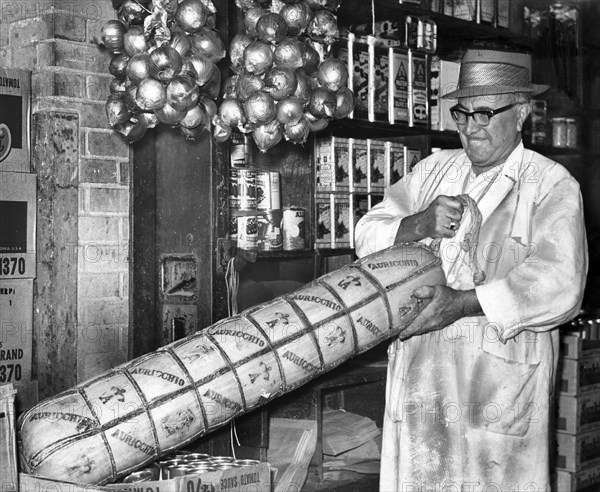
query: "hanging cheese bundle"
109, 426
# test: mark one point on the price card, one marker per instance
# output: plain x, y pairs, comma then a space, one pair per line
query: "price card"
16, 330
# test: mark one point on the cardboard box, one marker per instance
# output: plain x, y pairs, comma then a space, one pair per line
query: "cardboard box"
379, 82
565, 481
17, 225
578, 376
444, 79
394, 162
411, 158
418, 89
576, 414
398, 79
251, 478
359, 165
343, 230
16, 330
323, 233
358, 69
324, 165
577, 452
15, 97
376, 170
573, 346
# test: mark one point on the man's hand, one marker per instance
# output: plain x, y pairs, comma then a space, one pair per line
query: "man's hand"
440, 219
443, 306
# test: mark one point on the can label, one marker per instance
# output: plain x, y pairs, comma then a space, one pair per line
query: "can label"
247, 235
242, 189
263, 190
275, 188
294, 229
270, 237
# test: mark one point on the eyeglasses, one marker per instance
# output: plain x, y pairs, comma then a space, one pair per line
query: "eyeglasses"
481, 117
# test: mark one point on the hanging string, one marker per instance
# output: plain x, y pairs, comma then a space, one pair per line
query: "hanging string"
232, 280
373, 17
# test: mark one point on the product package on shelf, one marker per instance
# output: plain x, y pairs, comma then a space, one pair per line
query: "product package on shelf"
323, 233
268, 190
357, 56
360, 206
464, 9
443, 79
398, 79
503, 13
378, 81
333, 164
343, 230
359, 165
485, 12
418, 89
376, 169
411, 157
374, 199
395, 165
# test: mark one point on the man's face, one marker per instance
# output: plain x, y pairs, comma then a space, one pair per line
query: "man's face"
489, 146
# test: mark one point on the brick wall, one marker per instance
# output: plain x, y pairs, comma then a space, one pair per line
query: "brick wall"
81, 297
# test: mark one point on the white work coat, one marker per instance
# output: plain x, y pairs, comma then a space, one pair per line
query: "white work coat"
468, 407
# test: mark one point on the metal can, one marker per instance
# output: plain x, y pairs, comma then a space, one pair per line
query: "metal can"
247, 462
294, 229
221, 459
571, 133
139, 476
242, 189
263, 190
275, 185
247, 232
270, 237
559, 132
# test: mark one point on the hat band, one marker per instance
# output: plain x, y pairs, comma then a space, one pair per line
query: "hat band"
490, 74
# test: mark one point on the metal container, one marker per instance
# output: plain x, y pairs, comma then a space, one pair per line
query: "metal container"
221, 459
294, 229
197, 456
270, 237
247, 462
571, 133
242, 189
179, 471
247, 232
559, 132
139, 476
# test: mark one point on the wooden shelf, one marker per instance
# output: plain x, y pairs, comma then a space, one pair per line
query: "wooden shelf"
304, 253
448, 28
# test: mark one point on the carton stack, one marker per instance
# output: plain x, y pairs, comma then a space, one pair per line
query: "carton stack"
578, 407
351, 176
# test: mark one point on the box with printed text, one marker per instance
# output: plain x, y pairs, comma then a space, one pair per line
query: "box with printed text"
17, 225
15, 96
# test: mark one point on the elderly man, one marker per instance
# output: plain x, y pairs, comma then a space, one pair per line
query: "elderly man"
469, 392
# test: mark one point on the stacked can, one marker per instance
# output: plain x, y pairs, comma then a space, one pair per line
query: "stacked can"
294, 229
181, 464
243, 225
268, 204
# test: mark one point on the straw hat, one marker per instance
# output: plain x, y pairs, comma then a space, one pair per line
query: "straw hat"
486, 72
